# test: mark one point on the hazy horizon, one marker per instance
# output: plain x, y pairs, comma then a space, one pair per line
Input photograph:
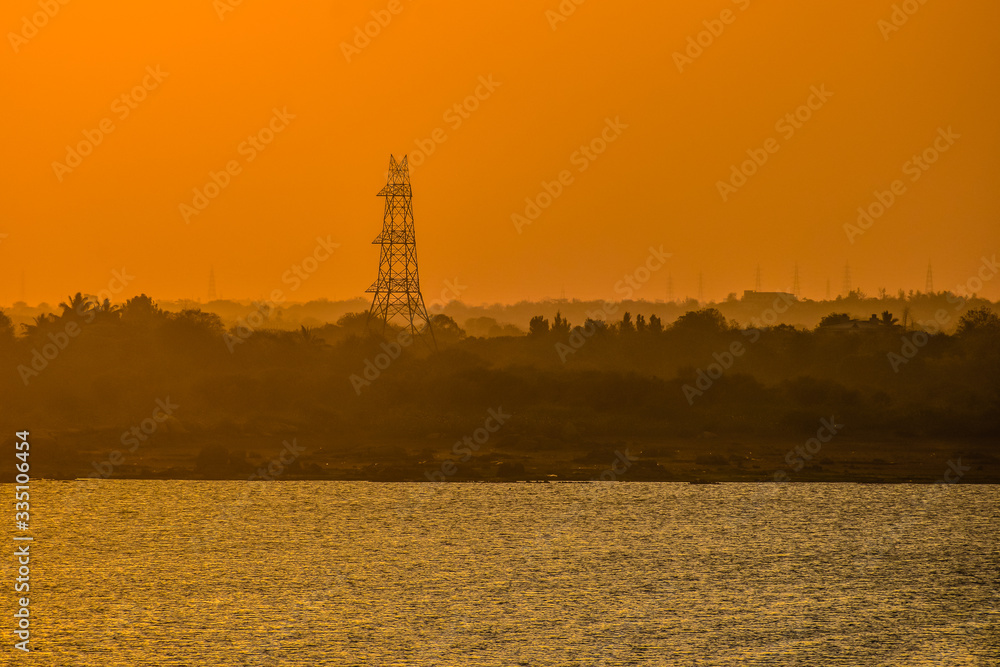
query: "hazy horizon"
652, 292
617, 161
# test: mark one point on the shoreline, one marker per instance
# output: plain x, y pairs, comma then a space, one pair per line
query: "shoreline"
705, 459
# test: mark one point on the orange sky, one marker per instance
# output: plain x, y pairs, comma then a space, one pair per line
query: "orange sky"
655, 184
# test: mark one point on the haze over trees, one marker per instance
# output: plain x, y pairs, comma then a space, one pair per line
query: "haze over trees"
90, 371
511, 319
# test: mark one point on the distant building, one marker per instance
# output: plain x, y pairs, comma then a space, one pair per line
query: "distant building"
853, 325
857, 325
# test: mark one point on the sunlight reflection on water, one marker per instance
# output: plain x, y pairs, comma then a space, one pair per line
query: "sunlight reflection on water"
342, 573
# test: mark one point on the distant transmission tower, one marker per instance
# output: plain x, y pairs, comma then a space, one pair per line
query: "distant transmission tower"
847, 278
795, 282
670, 287
701, 288
929, 286
397, 289
827, 289
756, 279
211, 284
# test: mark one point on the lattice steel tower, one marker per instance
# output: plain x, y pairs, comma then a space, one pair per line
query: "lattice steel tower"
397, 289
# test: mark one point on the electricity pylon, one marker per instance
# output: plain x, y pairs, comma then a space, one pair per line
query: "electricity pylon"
397, 289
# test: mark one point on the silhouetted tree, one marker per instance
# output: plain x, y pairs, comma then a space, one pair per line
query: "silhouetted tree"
356, 324
538, 326
75, 306
141, 310
446, 330
488, 327
106, 312
560, 325
194, 319
888, 320
640, 324
6, 329
979, 321
626, 327
706, 321
834, 318
655, 325
483, 327
597, 327
41, 325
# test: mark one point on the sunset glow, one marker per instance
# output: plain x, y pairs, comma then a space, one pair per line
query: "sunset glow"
649, 111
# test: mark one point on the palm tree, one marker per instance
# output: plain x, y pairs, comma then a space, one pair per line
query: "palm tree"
6, 328
888, 320
40, 325
310, 338
75, 305
106, 311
